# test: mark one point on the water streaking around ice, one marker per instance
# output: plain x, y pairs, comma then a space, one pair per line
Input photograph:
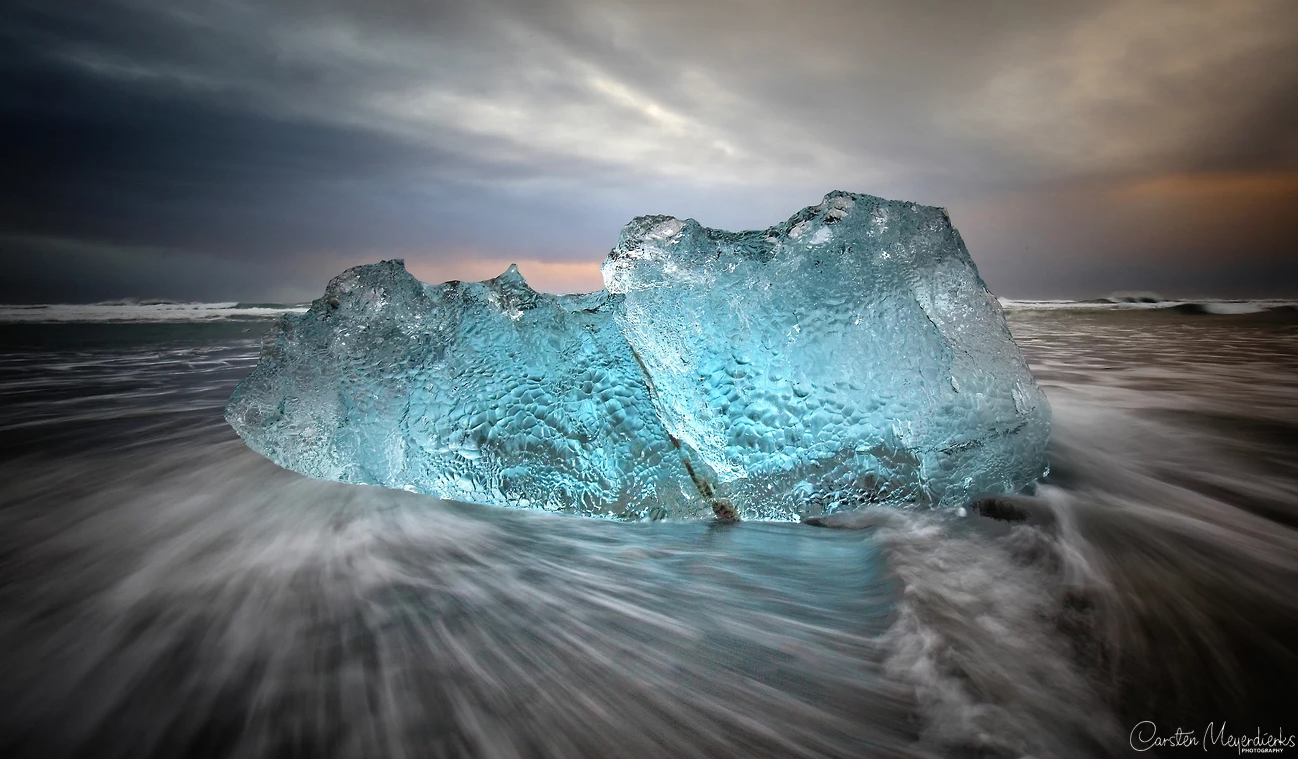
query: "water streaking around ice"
850, 356
167, 592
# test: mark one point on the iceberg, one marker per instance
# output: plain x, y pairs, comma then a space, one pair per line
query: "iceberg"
849, 356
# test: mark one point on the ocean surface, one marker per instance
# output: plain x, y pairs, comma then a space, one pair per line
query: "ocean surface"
166, 592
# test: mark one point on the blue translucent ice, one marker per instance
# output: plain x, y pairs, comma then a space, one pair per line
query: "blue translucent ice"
849, 356
487, 392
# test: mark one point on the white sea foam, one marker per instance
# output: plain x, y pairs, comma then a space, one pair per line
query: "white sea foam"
127, 311
1205, 306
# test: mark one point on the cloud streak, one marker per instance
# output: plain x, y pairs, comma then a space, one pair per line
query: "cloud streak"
305, 137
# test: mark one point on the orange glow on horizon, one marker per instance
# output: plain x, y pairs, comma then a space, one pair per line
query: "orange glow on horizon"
1207, 186
544, 276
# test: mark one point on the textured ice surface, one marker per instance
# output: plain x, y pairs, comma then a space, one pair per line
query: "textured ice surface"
487, 392
850, 355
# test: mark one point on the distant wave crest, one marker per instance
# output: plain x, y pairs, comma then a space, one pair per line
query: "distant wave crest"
1147, 302
133, 310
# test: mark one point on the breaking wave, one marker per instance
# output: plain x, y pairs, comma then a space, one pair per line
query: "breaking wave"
1153, 302
130, 310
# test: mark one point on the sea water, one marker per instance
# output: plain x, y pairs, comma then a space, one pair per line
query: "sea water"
167, 592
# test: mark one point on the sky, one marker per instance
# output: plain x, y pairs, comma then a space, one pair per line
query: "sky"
249, 151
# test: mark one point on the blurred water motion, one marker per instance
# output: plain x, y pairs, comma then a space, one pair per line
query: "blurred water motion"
166, 592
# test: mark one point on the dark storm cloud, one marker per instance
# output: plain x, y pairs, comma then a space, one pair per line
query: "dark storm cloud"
1080, 146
